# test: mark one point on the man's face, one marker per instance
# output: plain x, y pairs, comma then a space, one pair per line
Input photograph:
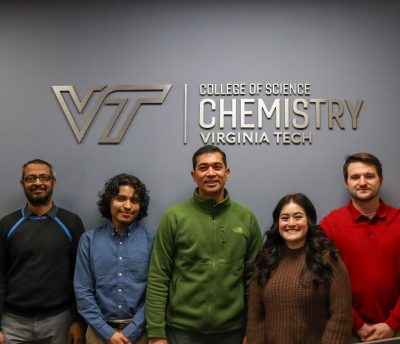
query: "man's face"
38, 184
210, 175
124, 207
363, 182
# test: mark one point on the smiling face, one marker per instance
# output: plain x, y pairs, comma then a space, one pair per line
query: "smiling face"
363, 182
37, 183
210, 174
124, 208
293, 225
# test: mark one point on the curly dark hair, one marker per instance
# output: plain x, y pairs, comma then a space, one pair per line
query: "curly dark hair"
317, 244
111, 189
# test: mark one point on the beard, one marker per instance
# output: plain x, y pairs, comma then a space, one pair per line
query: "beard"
39, 200
372, 195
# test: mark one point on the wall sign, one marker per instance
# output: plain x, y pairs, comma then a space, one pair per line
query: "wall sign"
268, 113
102, 93
228, 113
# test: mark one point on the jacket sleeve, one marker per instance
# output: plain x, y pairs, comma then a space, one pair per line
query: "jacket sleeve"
339, 326
255, 318
159, 277
253, 249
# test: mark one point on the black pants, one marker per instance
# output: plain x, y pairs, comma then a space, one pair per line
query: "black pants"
177, 336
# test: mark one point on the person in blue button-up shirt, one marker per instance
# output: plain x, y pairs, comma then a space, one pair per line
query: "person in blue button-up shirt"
112, 265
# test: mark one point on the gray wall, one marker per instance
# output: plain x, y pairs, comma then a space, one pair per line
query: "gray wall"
345, 50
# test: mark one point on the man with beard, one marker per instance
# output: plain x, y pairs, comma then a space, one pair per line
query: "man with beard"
38, 245
367, 235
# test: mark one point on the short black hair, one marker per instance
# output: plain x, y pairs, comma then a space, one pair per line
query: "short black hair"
38, 162
111, 189
207, 149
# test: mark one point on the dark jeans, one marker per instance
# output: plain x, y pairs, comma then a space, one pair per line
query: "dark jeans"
177, 336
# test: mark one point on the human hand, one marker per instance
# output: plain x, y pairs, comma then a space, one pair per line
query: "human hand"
157, 341
76, 333
1, 337
364, 331
380, 331
244, 340
118, 338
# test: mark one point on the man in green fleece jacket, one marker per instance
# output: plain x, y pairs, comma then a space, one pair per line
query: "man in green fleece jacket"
201, 262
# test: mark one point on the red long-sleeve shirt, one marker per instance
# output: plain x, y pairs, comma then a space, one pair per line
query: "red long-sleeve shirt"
370, 249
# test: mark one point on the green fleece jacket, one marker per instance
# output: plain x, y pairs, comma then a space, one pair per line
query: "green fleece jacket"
200, 267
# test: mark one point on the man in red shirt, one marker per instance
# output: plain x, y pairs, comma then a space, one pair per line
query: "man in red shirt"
367, 234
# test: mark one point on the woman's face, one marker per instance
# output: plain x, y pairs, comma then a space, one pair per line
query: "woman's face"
293, 225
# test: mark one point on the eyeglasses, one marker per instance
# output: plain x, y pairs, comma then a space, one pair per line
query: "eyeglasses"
42, 177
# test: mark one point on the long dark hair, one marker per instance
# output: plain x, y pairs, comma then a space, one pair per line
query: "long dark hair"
317, 244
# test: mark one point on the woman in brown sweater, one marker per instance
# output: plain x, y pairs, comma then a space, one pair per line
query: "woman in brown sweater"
300, 293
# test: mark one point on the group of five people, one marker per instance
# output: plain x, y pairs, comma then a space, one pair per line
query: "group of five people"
205, 276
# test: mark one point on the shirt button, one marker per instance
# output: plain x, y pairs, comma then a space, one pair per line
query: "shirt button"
120, 258
120, 290
119, 274
120, 242
120, 306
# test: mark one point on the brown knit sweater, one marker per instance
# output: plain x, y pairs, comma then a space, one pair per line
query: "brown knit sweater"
289, 311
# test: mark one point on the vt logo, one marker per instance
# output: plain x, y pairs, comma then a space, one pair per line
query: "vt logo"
102, 97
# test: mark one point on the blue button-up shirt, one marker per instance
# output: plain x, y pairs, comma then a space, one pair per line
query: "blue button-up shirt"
111, 276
